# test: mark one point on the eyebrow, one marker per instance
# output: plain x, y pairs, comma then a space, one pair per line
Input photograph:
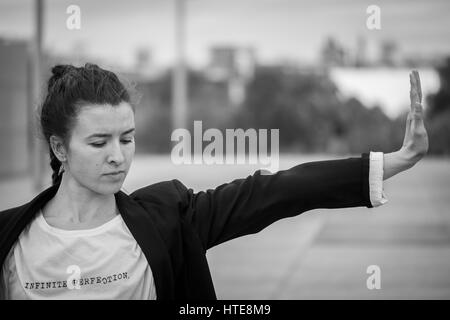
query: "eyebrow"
107, 135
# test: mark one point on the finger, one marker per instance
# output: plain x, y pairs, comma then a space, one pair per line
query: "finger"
416, 127
418, 84
408, 120
408, 128
415, 87
411, 127
417, 123
417, 111
412, 92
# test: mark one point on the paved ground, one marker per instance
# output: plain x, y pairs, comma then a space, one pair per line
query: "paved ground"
322, 254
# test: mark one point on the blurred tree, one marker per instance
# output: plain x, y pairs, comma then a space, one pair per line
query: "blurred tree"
440, 101
438, 113
311, 116
305, 106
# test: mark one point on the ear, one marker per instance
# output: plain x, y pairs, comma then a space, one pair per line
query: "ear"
57, 145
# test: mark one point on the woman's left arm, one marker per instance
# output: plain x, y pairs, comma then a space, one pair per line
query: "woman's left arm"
415, 142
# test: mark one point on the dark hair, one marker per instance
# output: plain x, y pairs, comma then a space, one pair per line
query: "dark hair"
70, 88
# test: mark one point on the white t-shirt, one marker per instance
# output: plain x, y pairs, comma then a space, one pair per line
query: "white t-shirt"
105, 262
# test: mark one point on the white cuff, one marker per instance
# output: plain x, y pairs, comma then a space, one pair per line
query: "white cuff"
377, 196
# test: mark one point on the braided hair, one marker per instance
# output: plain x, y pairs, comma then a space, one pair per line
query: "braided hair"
70, 88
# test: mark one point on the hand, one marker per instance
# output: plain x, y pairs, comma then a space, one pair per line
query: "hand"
415, 143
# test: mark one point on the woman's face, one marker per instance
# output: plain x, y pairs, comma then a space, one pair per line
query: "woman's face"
101, 147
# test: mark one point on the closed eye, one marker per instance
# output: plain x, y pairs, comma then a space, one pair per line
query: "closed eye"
128, 140
101, 144
98, 144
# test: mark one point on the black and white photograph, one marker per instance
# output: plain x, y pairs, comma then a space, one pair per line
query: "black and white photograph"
207, 150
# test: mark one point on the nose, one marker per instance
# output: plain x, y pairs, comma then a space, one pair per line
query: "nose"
115, 154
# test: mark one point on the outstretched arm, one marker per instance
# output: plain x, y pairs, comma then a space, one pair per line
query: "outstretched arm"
415, 143
248, 205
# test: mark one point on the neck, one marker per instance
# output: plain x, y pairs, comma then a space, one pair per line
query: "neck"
77, 204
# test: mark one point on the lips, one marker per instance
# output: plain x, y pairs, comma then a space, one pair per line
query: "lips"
115, 173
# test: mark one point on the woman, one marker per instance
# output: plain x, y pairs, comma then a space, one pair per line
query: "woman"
83, 238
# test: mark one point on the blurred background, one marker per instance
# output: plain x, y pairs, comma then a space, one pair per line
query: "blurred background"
315, 70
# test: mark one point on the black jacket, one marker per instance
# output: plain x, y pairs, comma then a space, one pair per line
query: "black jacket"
174, 226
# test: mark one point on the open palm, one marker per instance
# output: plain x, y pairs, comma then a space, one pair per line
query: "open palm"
415, 143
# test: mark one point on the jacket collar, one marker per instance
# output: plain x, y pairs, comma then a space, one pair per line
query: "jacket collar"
137, 219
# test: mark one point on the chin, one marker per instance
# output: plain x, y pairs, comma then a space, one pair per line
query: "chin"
108, 188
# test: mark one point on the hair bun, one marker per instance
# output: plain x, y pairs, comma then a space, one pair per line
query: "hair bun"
59, 70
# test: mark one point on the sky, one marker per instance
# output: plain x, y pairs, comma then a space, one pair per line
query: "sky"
292, 30
386, 88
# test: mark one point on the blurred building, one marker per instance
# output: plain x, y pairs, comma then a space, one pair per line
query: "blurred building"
235, 66
366, 54
333, 54
144, 66
389, 54
14, 105
361, 52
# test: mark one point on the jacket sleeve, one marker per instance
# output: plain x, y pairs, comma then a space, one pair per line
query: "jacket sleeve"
248, 205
